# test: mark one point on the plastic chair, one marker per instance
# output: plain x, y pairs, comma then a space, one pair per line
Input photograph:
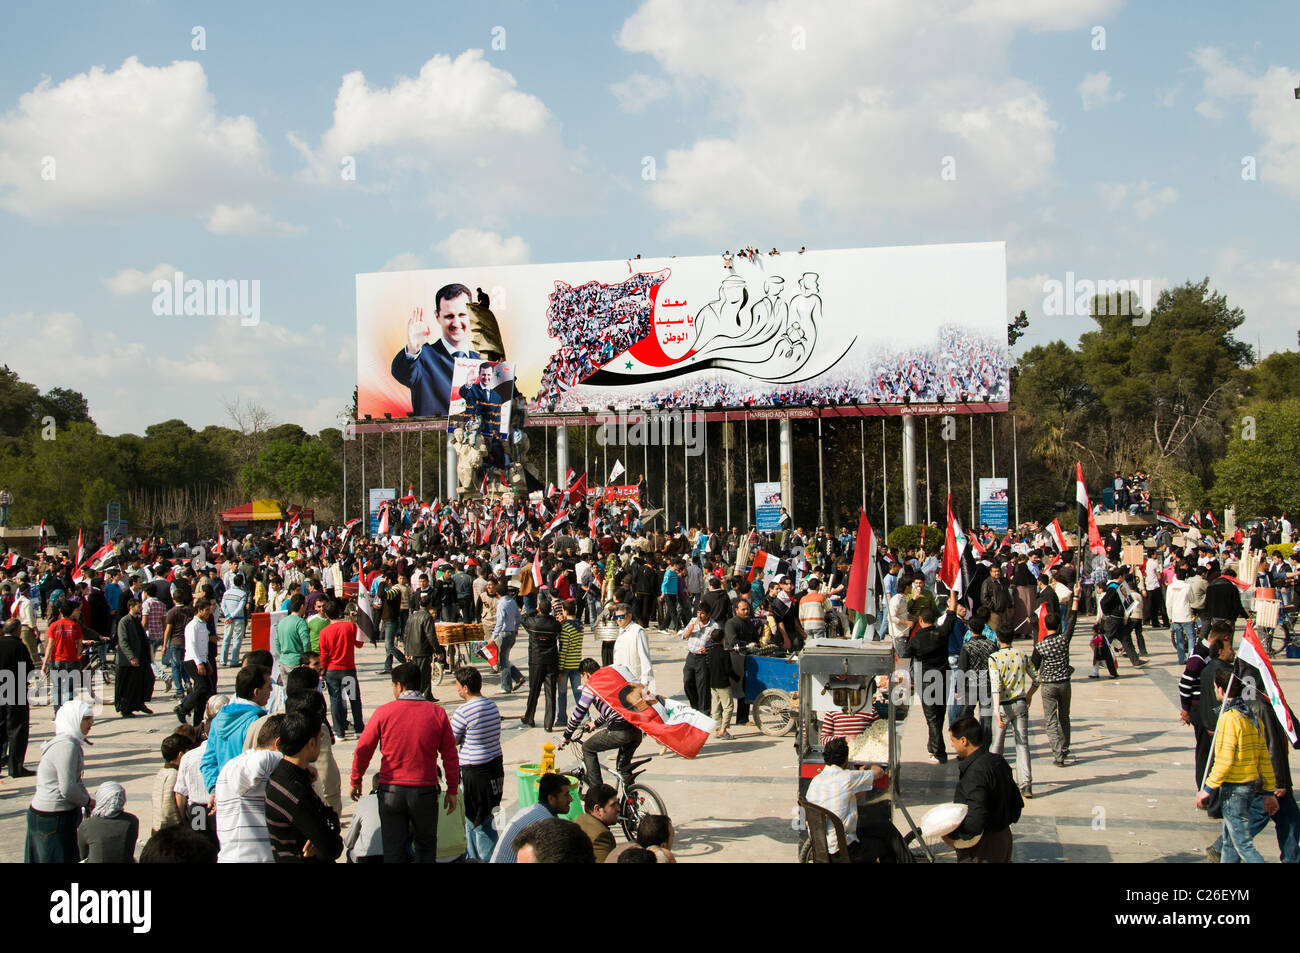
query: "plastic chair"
817, 817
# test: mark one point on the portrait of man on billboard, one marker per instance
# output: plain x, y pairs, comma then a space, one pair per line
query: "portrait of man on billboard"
426, 363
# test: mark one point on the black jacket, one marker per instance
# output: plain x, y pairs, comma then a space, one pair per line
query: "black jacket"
12, 655
421, 636
543, 638
718, 662
986, 787
737, 632
930, 646
132, 643
1223, 601
1048, 596
295, 814
719, 606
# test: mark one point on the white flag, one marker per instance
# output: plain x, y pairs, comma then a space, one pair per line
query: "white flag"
617, 472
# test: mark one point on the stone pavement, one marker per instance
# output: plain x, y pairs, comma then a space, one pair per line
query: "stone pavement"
1129, 797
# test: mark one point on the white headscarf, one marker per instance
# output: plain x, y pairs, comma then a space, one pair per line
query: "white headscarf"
68, 722
110, 798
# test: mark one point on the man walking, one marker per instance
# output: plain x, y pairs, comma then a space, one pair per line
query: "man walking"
410, 733
234, 607
543, 661
1178, 607
134, 663
339, 641
1013, 681
929, 645
632, 647
986, 787
1054, 670
197, 664
476, 726
15, 712
504, 634
292, 636
421, 642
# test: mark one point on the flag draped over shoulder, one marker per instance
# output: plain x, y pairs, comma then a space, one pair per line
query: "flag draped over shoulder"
670, 722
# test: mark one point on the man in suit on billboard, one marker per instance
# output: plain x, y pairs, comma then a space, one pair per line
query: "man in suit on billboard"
425, 365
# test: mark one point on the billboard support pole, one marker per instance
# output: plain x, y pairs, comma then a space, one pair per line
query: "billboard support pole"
365, 500
438, 467
382, 481
645, 452
664, 441
345, 475
748, 483
401, 461
909, 469
562, 452
453, 485
972, 472
707, 520
421, 464
787, 488
947, 465
862, 457
993, 450
884, 481
546, 455
726, 461
767, 439
821, 476
927, 470
1015, 468
686, 484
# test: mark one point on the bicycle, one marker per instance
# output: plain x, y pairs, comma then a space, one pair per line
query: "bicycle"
1290, 638
635, 801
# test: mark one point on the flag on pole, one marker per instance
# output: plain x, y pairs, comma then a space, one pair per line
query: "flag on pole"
975, 546
1166, 518
1087, 522
1057, 535
10, 561
550, 490
81, 550
1042, 622
765, 565
279, 529
951, 569
577, 489
42, 537
862, 593
537, 568
1213, 521
568, 478
1252, 653
617, 472
221, 543
560, 519
383, 520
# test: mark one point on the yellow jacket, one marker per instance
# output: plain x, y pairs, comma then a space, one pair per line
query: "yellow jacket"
1240, 753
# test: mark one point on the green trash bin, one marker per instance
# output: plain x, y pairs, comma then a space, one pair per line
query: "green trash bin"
527, 777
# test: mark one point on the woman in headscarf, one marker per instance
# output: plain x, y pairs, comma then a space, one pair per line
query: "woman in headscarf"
56, 807
108, 836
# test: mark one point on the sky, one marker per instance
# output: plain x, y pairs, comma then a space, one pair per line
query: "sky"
298, 144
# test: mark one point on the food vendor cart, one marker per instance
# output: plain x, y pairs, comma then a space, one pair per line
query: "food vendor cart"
846, 675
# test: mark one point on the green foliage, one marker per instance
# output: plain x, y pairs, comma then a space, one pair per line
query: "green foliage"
1282, 549
1261, 476
1276, 378
1016, 328
291, 471
908, 536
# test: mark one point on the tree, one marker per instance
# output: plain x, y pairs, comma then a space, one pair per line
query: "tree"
1016, 328
1260, 473
18, 403
66, 406
292, 471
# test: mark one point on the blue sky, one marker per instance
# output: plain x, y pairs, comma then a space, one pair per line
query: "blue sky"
771, 123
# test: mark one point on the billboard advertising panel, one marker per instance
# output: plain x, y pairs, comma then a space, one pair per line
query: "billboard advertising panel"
993, 502
920, 324
767, 507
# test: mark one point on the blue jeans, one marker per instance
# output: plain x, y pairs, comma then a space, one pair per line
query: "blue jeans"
174, 655
391, 651
954, 706
569, 679
1238, 843
344, 690
1286, 820
1184, 639
510, 676
233, 642
64, 681
480, 841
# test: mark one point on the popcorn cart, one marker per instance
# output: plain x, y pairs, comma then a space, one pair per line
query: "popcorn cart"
843, 684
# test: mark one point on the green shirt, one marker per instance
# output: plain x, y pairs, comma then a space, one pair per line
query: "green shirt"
314, 625
292, 638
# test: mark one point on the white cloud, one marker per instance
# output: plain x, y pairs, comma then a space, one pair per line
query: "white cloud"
638, 91
1168, 97
463, 127
246, 220
403, 261
1269, 292
1095, 91
1143, 199
1270, 109
133, 281
469, 246
820, 114
137, 140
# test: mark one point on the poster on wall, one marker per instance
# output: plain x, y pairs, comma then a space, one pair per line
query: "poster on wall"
874, 325
481, 391
993, 502
767, 507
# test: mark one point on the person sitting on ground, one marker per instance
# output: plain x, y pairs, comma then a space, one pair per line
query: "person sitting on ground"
178, 844
108, 836
553, 841
600, 813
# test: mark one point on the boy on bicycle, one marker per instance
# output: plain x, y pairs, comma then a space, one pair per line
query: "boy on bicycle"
613, 731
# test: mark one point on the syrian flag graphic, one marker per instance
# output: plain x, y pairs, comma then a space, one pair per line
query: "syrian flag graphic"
862, 594
764, 565
1085, 517
1166, 518
669, 721
1252, 653
1057, 535
952, 570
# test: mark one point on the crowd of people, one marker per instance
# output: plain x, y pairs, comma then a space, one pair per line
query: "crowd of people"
249, 774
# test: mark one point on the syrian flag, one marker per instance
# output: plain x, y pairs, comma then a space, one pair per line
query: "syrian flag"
765, 565
1252, 653
975, 546
670, 722
1239, 583
1052, 562
1213, 522
349, 526
10, 561
1166, 518
383, 521
952, 569
1042, 622
537, 568
617, 472
1085, 517
560, 519
551, 490
366, 615
1195, 518
568, 478
279, 530
1057, 535
42, 537
81, 550
864, 580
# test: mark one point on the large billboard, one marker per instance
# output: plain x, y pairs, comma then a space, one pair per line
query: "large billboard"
921, 324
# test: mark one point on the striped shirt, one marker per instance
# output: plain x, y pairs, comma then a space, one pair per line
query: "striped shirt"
296, 815
570, 645
1189, 686
843, 724
476, 726
241, 808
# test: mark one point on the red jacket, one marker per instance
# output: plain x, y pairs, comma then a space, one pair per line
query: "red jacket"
338, 643
410, 733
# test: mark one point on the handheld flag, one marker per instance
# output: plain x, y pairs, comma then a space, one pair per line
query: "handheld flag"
1252, 653
954, 549
1166, 518
1057, 535
864, 580
765, 565
81, 549
617, 472
1085, 517
383, 521
537, 568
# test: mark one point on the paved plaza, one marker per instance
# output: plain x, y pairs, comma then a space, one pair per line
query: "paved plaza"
1129, 797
